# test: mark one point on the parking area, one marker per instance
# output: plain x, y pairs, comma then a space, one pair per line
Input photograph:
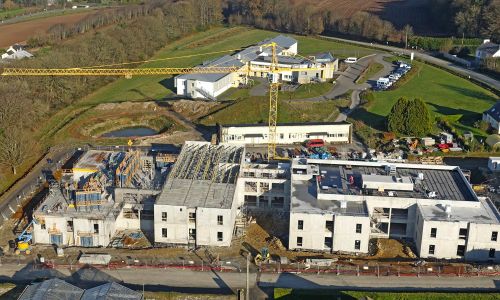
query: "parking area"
400, 69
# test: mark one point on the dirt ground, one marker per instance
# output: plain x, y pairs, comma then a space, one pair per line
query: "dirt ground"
191, 109
20, 32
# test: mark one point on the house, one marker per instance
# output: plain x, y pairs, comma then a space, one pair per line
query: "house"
111, 291
492, 116
16, 52
487, 49
494, 164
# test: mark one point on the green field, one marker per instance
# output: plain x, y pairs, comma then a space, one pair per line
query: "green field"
372, 69
289, 294
448, 96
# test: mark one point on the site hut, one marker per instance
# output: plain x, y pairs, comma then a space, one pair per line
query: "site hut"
96, 198
198, 204
287, 133
339, 205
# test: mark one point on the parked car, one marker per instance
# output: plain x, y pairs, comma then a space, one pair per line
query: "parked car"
350, 60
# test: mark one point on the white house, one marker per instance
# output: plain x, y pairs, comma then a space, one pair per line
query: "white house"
492, 116
16, 52
488, 49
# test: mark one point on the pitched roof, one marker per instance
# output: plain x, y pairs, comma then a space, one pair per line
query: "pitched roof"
225, 61
324, 57
111, 291
494, 111
283, 41
51, 289
489, 47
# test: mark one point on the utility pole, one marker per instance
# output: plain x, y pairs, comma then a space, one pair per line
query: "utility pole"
247, 297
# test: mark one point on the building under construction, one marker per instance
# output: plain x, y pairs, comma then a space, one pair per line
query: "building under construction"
104, 192
199, 202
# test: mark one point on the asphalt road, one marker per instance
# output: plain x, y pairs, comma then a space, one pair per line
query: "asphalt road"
187, 280
495, 84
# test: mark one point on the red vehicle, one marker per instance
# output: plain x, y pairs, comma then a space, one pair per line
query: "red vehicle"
315, 143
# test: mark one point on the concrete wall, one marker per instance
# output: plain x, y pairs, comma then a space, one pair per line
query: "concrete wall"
337, 133
477, 242
315, 231
176, 224
207, 227
345, 235
57, 225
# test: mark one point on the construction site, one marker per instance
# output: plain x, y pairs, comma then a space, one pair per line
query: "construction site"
223, 203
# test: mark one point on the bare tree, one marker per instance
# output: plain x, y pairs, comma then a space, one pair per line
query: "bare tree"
15, 146
408, 32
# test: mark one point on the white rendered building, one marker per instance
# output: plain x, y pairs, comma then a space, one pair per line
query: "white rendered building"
257, 59
287, 133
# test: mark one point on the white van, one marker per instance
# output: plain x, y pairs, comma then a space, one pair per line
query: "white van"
350, 60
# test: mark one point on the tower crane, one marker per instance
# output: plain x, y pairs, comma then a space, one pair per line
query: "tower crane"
273, 72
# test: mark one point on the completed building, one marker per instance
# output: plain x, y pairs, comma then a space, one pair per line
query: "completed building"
287, 133
254, 61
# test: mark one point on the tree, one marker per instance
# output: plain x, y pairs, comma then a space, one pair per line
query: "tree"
9, 4
15, 146
397, 117
409, 117
408, 33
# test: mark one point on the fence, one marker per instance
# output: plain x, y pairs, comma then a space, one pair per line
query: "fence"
340, 269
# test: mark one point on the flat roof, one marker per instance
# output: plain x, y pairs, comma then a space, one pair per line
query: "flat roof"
447, 183
304, 200
484, 214
204, 175
92, 160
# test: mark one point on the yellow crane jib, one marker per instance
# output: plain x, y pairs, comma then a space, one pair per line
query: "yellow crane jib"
114, 72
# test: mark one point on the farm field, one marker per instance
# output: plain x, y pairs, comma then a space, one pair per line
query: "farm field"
21, 31
446, 95
398, 12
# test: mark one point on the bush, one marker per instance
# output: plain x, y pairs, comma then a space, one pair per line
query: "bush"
409, 117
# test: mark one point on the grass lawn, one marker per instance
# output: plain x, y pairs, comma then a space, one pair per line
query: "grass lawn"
373, 69
256, 110
6, 14
446, 95
308, 91
289, 294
